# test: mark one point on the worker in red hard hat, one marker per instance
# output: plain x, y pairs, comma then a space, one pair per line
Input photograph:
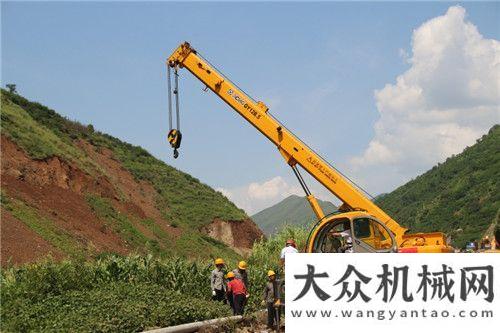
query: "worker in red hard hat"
290, 247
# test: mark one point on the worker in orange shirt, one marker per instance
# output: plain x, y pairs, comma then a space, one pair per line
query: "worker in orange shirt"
237, 290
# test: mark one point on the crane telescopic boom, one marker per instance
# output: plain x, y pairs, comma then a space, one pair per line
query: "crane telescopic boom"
293, 150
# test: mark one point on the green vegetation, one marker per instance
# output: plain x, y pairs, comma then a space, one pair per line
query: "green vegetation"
460, 196
155, 229
124, 294
117, 307
43, 226
187, 199
190, 243
38, 141
120, 223
111, 294
293, 210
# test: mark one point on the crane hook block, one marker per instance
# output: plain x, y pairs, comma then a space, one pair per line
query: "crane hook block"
174, 138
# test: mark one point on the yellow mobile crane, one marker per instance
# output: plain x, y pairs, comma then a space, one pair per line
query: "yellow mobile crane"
367, 226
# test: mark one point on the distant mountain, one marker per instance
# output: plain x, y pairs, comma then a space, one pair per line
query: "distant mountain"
293, 210
379, 196
461, 195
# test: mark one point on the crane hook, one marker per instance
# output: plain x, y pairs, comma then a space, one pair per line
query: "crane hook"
174, 138
174, 134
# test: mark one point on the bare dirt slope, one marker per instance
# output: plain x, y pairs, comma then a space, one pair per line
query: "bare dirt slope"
239, 235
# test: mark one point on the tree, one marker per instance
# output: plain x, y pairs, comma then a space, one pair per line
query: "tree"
12, 88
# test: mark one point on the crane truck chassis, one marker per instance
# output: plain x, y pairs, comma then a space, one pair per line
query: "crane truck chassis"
370, 228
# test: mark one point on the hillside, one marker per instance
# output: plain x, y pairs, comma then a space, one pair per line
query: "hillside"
461, 193
70, 191
293, 210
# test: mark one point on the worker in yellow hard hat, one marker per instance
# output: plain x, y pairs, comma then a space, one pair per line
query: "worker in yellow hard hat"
218, 281
241, 273
271, 300
229, 294
236, 293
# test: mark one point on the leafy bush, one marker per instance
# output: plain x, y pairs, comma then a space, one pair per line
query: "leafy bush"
54, 278
113, 307
109, 294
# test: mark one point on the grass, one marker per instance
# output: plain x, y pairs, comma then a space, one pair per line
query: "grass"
38, 141
190, 243
44, 227
155, 229
120, 223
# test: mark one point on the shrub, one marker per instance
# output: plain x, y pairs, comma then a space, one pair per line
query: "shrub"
113, 307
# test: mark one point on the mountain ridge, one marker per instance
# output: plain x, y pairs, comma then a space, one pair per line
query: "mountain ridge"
460, 196
293, 210
73, 191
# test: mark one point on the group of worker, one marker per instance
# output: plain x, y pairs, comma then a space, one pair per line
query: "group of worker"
233, 287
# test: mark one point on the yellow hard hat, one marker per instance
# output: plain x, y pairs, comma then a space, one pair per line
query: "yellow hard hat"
270, 273
230, 275
219, 261
242, 265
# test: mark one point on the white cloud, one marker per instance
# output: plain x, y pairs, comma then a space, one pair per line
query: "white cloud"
257, 196
447, 99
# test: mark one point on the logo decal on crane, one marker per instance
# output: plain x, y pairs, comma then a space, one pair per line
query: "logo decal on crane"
240, 100
318, 166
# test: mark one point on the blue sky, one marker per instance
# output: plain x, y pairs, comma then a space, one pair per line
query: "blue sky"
316, 65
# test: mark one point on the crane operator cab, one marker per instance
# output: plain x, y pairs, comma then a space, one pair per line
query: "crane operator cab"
350, 233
